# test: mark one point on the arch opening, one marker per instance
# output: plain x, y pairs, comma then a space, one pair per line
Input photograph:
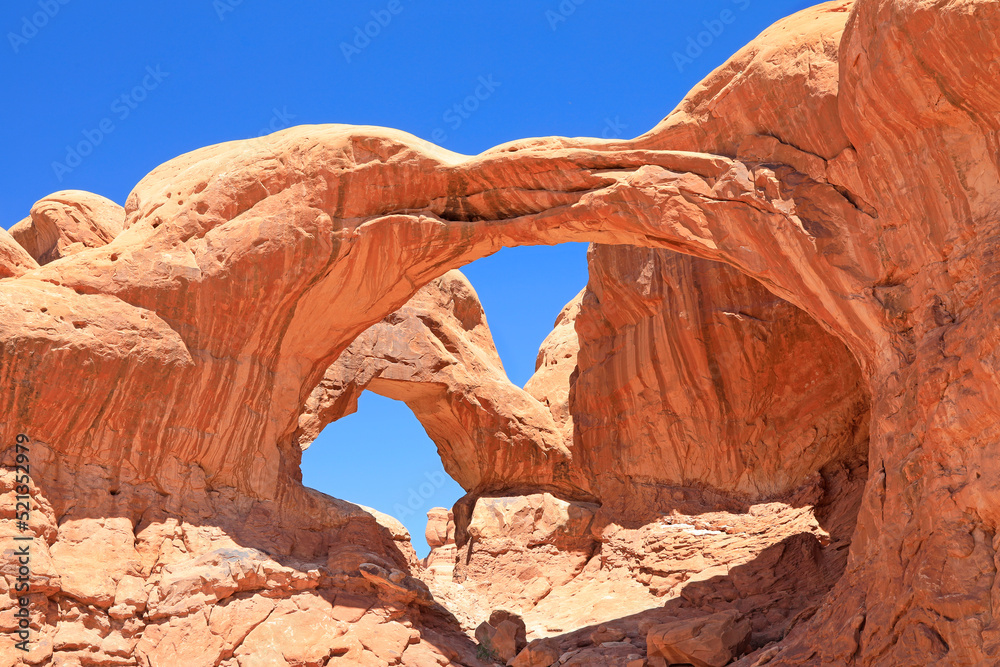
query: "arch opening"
678, 395
381, 457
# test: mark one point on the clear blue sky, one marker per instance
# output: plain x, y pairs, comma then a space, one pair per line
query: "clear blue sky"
139, 83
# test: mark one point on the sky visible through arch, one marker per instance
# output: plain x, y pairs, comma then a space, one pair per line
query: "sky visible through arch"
98, 94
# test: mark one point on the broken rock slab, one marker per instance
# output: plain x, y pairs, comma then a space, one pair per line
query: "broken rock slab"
707, 641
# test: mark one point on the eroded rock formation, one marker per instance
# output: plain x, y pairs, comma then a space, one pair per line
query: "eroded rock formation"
437, 355
64, 223
847, 159
691, 374
787, 393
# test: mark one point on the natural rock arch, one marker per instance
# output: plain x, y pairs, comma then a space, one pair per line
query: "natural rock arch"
665, 370
857, 178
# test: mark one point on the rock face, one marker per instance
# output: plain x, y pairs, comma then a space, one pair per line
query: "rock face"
846, 159
691, 374
14, 260
712, 641
557, 362
660, 348
568, 566
67, 222
437, 355
440, 535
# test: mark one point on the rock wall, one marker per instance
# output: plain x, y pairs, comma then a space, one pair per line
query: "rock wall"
691, 374
846, 159
590, 584
781, 414
666, 371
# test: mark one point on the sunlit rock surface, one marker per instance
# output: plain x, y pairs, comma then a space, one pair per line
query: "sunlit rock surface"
846, 159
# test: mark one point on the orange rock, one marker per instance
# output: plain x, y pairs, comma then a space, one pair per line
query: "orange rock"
485, 633
67, 222
504, 641
605, 634
752, 382
440, 535
298, 629
92, 556
712, 641
554, 368
440, 527
846, 165
537, 654
437, 355
501, 616
14, 260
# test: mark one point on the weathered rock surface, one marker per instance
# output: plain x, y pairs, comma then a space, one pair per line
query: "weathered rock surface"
781, 400
440, 535
64, 223
846, 159
136, 578
710, 641
553, 379
537, 654
569, 568
676, 352
437, 355
14, 260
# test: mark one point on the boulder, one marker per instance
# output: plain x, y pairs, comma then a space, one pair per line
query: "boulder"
707, 641
538, 653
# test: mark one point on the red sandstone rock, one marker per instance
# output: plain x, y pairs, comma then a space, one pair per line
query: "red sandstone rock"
605, 634
741, 391
711, 641
437, 355
554, 368
485, 633
504, 546
538, 653
440, 535
774, 561
14, 260
845, 163
500, 616
440, 527
504, 641
67, 222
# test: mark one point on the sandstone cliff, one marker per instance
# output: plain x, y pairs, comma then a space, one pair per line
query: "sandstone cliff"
846, 160
691, 374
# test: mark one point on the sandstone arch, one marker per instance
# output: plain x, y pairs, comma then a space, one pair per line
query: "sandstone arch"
861, 184
437, 355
